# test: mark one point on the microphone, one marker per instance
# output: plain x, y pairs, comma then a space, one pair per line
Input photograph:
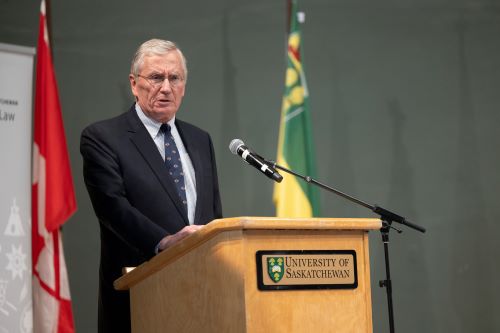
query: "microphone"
237, 147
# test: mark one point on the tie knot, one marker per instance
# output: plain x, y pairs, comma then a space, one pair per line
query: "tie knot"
165, 128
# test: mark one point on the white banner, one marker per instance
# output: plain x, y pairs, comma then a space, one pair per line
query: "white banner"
16, 88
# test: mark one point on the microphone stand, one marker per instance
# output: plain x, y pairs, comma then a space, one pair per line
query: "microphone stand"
387, 218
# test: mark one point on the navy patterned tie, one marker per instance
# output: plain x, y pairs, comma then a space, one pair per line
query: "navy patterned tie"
173, 163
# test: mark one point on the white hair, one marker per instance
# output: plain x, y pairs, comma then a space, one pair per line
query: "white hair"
155, 47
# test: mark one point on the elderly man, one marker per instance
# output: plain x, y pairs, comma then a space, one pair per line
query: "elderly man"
151, 177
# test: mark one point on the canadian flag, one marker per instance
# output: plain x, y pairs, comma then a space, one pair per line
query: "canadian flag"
53, 198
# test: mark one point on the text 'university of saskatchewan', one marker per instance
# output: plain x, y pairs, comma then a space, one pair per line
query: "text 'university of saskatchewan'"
306, 269
323, 268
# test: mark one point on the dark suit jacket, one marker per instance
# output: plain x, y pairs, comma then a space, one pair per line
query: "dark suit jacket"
136, 201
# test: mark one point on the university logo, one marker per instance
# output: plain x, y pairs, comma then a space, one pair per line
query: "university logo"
275, 268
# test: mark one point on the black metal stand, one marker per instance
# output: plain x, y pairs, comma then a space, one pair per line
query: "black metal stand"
387, 283
387, 218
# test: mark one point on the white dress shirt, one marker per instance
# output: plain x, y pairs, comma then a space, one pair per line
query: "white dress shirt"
153, 128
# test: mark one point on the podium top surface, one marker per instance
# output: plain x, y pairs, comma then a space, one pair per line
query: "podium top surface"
240, 223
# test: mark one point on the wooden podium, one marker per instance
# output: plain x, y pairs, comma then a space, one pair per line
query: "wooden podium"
225, 278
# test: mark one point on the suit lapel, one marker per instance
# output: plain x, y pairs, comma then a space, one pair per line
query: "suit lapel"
147, 148
193, 152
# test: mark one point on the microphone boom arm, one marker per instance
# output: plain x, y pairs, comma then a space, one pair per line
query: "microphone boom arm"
385, 215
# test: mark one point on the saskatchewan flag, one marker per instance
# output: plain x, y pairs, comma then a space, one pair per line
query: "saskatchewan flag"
294, 197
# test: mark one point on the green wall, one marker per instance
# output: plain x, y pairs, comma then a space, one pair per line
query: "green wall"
405, 106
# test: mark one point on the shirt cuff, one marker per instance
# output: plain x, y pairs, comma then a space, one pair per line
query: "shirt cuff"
157, 248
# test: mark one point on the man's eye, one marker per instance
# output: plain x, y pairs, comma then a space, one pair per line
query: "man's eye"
174, 78
157, 78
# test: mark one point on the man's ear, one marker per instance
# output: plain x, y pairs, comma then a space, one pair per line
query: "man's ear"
133, 84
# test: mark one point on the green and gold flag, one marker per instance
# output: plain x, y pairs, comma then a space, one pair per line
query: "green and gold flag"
293, 197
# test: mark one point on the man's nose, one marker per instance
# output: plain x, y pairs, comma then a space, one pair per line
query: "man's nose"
165, 86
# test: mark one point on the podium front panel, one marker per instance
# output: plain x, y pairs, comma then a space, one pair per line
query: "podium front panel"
209, 282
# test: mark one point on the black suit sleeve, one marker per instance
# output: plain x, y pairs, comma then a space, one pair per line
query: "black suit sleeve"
105, 184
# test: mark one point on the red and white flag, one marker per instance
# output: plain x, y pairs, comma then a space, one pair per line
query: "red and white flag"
53, 198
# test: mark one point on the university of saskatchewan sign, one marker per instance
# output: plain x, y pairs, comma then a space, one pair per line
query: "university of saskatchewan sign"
306, 269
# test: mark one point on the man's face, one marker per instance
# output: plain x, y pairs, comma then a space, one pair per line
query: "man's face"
159, 99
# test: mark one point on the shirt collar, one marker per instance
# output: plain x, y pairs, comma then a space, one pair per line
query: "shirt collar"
152, 126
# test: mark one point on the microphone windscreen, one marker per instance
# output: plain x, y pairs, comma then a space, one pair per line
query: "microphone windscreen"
233, 146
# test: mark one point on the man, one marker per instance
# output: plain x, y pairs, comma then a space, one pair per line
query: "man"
151, 177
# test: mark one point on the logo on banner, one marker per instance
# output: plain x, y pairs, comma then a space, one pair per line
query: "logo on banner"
17, 262
275, 268
14, 225
5, 306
